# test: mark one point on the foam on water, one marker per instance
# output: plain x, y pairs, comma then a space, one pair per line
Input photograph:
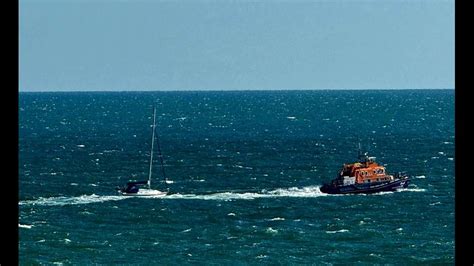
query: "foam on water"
61, 201
337, 231
276, 219
25, 226
149, 193
304, 192
271, 231
412, 189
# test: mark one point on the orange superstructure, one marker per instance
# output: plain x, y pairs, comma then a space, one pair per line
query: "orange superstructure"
365, 171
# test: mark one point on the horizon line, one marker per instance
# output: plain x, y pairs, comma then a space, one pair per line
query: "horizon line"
234, 90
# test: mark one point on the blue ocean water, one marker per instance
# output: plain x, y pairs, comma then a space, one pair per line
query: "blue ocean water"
245, 167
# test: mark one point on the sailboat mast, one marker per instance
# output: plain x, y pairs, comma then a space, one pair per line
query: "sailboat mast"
152, 141
161, 158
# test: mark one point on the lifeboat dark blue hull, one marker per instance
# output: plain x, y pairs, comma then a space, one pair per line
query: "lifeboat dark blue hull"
366, 188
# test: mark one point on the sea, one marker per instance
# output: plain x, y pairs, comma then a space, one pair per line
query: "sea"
243, 170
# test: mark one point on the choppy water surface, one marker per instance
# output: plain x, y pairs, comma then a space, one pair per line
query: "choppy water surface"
246, 168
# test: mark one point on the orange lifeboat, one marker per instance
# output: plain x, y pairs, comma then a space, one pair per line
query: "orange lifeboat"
365, 176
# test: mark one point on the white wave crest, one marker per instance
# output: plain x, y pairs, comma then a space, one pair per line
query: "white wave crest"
276, 219
271, 231
25, 226
412, 189
337, 231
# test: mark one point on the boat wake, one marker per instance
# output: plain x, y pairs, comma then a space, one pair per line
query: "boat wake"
312, 191
294, 192
305, 192
61, 201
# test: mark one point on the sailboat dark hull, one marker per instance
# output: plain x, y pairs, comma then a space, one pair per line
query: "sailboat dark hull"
366, 188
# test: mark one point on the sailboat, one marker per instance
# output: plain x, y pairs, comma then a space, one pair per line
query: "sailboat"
133, 188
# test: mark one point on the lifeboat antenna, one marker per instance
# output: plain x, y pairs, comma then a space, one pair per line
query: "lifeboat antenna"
359, 155
363, 157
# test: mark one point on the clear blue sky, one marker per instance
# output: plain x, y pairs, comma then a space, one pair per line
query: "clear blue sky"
75, 45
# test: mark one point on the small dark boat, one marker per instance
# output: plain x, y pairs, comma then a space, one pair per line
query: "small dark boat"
132, 187
365, 176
